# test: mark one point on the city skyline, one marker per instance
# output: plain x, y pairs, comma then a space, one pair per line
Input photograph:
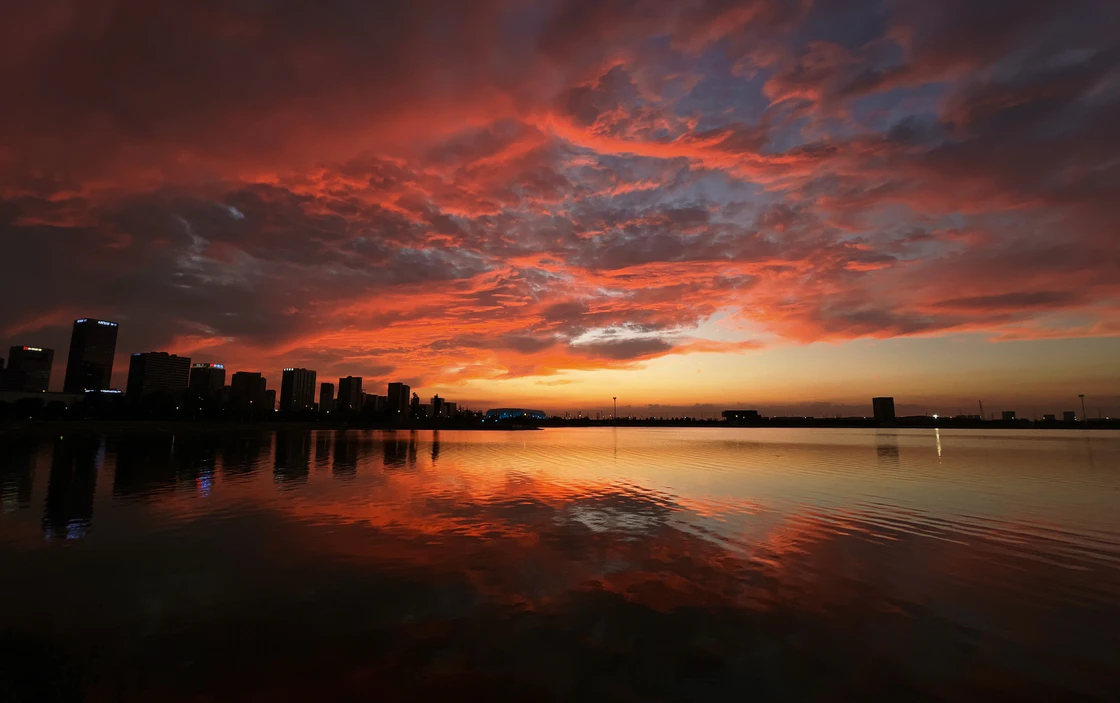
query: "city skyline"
205, 378
551, 204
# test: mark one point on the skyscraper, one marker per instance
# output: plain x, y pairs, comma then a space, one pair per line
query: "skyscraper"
157, 374
437, 406
247, 389
398, 400
29, 369
207, 380
297, 390
326, 397
884, 410
89, 365
349, 394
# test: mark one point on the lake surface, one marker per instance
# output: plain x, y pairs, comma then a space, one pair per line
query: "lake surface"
591, 564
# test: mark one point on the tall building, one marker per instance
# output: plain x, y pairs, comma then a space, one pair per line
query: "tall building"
29, 369
437, 406
884, 410
297, 390
247, 389
1007, 415
270, 399
326, 397
152, 374
398, 400
349, 394
89, 365
207, 380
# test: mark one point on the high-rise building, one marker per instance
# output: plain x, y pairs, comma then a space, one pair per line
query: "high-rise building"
326, 397
437, 406
450, 409
89, 365
247, 389
297, 390
349, 394
152, 374
29, 369
207, 380
270, 399
884, 410
398, 400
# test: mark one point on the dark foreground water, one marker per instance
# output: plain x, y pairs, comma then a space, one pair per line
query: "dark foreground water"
587, 564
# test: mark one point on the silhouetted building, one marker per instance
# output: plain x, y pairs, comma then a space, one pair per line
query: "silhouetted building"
437, 406
207, 380
157, 374
89, 365
349, 394
373, 403
29, 369
297, 390
739, 417
326, 397
1007, 415
398, 396
450, 409
247, 389
1069, 416
1049, 418
884, 410
270, 399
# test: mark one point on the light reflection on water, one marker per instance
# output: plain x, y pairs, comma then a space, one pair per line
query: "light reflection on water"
601, 563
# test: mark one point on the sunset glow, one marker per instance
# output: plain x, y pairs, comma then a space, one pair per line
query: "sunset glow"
792, 204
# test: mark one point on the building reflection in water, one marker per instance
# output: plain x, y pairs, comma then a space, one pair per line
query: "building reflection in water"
322, 450
144, 466
241, 454
68, 512
346, 450
886, 448
435, 446
399, 450
17, 473
292, 462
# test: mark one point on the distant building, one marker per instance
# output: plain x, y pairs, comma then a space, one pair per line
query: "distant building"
349, 394
499, 414
1069, 416
89, 365
740, 417
152, 374
884, 410
450, 409
247, 389
1049, 418
297, 390
270, 400
437, 406
398, 398
1007, 415
206, 380
29, 369
378, 404
326, 397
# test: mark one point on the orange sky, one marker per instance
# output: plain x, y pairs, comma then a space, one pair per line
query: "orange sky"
551, 203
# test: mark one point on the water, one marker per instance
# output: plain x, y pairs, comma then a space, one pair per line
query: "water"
597, 564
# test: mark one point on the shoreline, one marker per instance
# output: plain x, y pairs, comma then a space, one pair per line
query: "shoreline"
41, 427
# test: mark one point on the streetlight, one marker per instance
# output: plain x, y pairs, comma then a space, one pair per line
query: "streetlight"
614, 417
1082, 397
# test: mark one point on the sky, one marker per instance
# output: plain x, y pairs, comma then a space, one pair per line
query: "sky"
789, 205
